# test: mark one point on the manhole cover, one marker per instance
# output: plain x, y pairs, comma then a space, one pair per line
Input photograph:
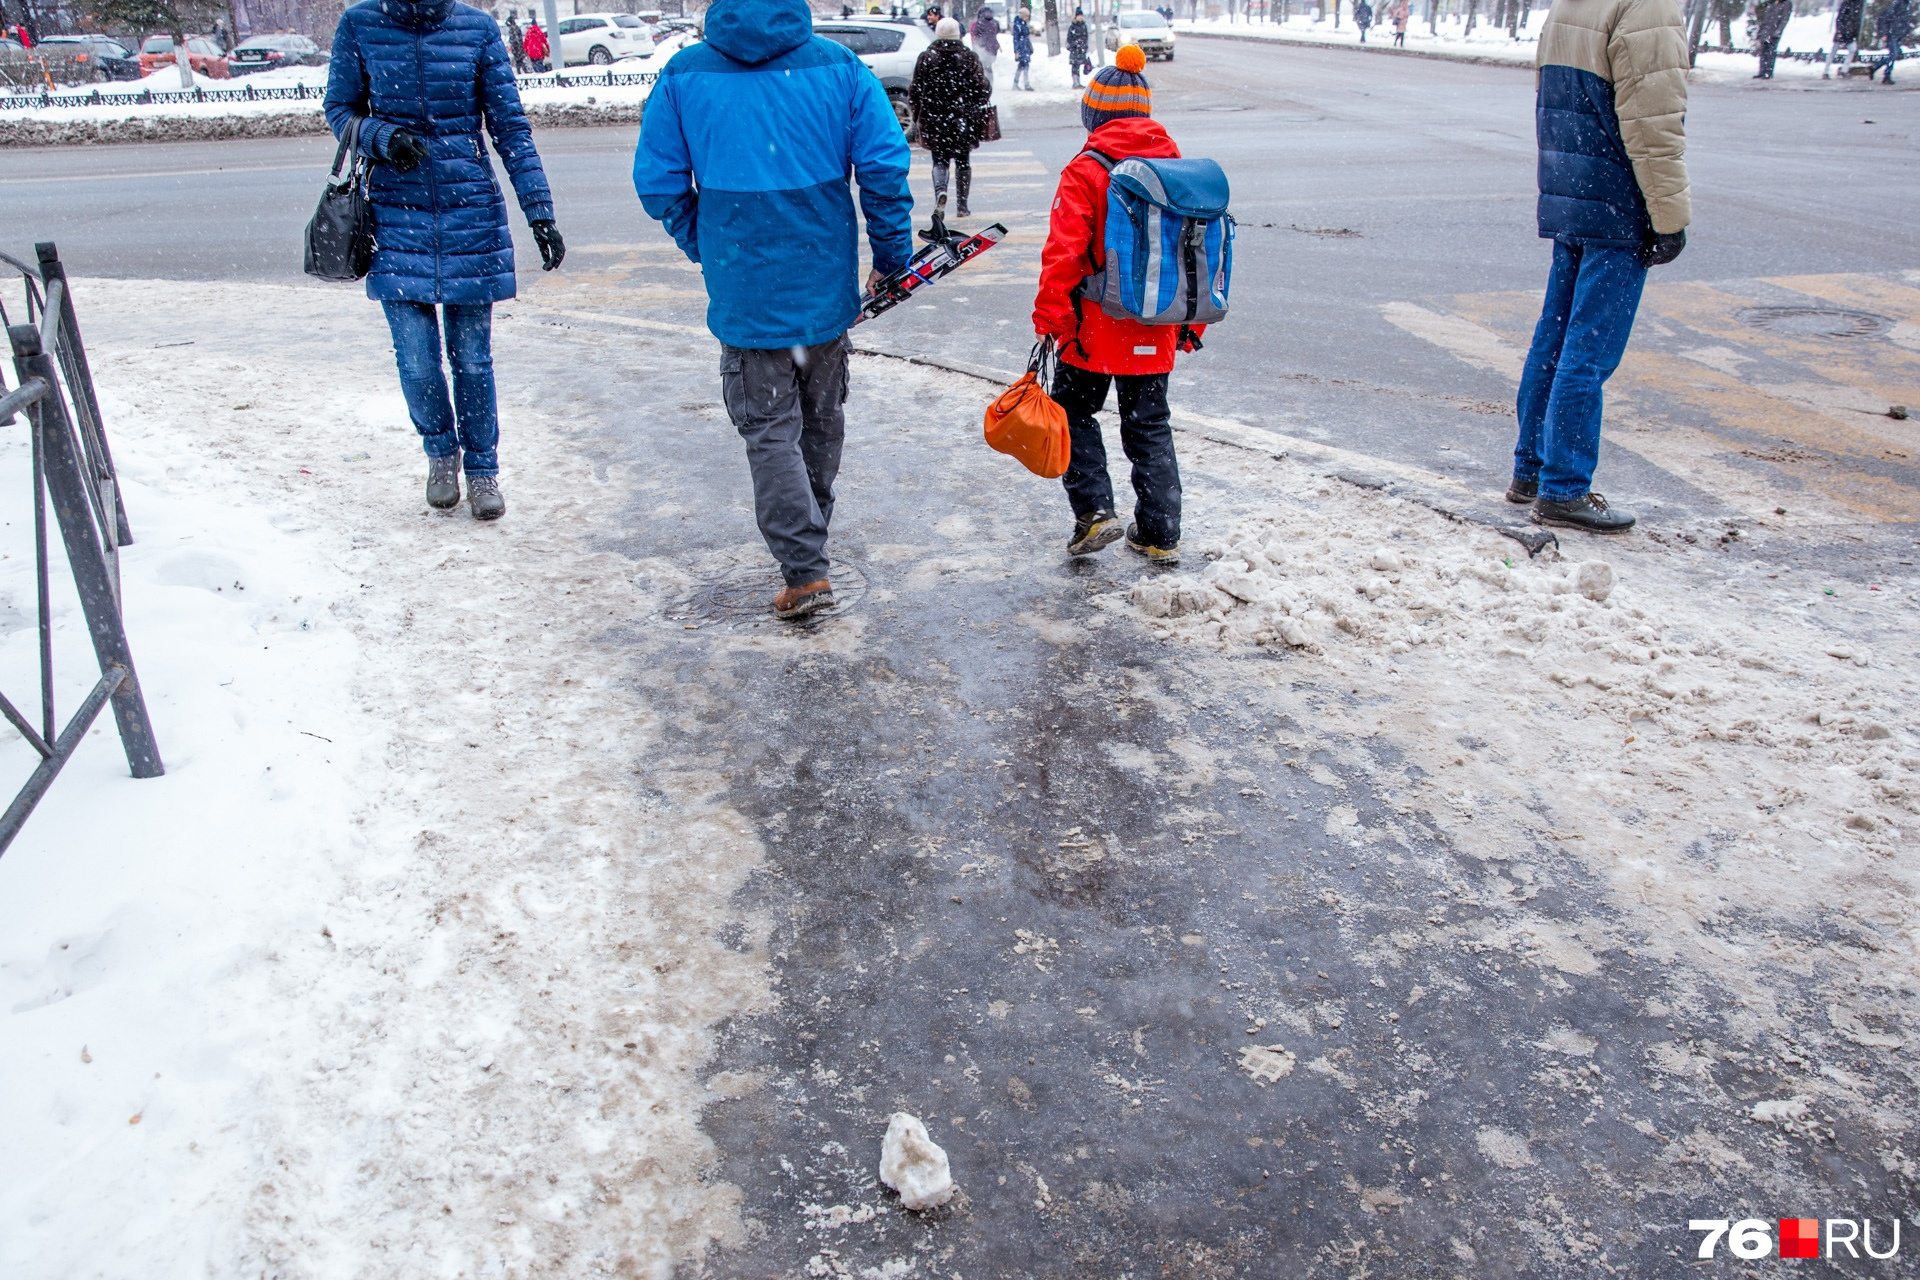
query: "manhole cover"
1817, 322
745, 595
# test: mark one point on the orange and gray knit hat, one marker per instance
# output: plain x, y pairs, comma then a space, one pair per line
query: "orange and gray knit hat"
1118, 91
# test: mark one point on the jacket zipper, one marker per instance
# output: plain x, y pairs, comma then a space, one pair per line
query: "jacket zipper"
433, 182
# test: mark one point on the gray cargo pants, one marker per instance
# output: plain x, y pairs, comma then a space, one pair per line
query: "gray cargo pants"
789, 405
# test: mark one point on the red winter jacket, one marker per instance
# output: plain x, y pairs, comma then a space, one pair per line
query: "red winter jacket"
534, 42
1075, 249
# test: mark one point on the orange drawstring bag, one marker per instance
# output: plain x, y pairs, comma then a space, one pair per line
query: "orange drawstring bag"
1029, 424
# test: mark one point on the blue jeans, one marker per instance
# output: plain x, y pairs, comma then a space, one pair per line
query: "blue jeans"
470, 421
1592, 295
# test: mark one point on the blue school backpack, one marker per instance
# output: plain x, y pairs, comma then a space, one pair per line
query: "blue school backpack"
1169, 242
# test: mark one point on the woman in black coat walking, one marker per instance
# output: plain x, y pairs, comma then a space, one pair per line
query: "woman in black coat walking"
950, 90
1077, 46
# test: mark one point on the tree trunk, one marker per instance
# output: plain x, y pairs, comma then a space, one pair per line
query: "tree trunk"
1473, 16
1053, 28
182, 60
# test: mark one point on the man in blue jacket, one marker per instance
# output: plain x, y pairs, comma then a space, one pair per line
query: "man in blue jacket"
1610, 112
744, 155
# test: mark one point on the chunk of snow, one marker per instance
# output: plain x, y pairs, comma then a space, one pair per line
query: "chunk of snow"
914, 1164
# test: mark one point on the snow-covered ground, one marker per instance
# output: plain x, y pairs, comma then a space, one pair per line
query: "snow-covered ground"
396, 963
1806, 33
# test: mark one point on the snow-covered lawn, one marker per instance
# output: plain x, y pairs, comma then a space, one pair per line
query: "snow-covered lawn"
1805, 33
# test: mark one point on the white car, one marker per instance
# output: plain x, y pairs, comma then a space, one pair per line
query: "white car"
602, 38
1152, 32
888, 48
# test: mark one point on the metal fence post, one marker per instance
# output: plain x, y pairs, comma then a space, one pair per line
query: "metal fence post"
67, 485
86, 404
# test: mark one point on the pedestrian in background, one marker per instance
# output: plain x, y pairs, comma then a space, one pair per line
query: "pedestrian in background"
535, 44
986, 39
744, 155
1770, 23
439, 222
1362, 17
1399, 14
1077, 46
1023, 49
1097, 350
1610, 111
950, 90
516, 43
932, 17
1893, 28
1846, 35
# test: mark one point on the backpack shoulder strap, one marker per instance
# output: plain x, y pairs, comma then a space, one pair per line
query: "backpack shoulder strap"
1100, 158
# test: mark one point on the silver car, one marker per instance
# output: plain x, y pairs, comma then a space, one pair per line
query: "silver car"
888, 48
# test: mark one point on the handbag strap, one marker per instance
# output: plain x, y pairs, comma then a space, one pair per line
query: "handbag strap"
1043, 363
343, 168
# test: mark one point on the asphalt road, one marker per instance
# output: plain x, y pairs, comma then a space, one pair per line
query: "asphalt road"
974, 908
1360, 182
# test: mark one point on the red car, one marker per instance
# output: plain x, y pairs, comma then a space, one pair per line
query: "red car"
203, 55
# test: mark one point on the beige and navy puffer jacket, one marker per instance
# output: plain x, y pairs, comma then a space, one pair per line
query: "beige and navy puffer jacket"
1610, 113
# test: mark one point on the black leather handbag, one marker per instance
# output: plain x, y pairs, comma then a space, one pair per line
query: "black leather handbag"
340, 236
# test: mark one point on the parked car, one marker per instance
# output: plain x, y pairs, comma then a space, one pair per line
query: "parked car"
96, 56
600, 38
265, 53
888, 48
1151, 31
203, 55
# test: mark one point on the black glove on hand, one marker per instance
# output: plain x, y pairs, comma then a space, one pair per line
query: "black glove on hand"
552, 248
1662, 249
404, 151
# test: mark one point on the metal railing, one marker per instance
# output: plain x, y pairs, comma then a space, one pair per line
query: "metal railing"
41, 99
73, 467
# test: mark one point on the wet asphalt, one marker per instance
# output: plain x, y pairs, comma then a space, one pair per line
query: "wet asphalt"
1044, 881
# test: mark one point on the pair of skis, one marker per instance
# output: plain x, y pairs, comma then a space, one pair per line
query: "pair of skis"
946, 252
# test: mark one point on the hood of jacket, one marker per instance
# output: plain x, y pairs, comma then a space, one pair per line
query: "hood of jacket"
416, 15
754, 31
1132, 136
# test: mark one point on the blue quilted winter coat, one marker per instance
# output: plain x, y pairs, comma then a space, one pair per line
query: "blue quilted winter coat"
439, 70
744, 155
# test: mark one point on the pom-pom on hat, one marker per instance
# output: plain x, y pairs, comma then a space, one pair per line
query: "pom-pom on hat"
1118, 91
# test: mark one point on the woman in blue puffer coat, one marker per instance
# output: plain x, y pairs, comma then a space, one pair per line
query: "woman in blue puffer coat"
422, 76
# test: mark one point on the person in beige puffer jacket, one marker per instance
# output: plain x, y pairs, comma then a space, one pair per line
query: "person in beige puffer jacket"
1610, 114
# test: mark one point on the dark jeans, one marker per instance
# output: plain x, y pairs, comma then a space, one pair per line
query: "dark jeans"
1769, 50
1145, 433
470, 421
1893, 56
1592, 295
789, 405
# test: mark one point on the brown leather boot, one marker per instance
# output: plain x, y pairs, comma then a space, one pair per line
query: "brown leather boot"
798, 602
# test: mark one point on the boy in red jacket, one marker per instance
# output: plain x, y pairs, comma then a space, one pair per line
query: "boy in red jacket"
1095, 348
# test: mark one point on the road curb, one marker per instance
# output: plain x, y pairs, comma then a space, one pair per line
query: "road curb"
1386, 50
1239, 435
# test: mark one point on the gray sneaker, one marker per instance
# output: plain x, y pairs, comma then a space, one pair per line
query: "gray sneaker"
443, 481
483, 496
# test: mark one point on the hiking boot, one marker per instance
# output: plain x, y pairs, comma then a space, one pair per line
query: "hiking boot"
1154, 555
484, 498
1589, 511
443, 481
798, 602
1521, 492
1094, 531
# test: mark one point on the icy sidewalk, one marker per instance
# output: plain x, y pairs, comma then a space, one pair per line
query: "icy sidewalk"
409, 956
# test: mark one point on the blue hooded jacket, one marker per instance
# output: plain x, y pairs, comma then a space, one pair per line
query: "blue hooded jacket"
744, 155
438, 70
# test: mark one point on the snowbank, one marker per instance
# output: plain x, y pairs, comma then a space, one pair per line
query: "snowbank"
411, 954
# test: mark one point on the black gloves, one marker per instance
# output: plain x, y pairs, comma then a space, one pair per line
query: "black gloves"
1662, 249
552, 248
404, 151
